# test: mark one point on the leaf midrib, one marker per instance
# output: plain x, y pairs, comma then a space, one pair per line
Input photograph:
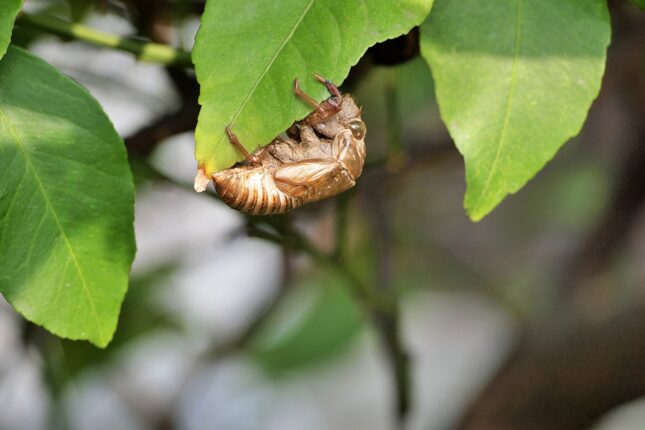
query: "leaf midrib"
509, 99
51, 209
267, 67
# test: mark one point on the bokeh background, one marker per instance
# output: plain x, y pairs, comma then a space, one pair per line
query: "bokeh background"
530, 319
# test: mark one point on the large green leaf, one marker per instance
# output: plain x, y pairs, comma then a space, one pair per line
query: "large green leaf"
8, 11
247, 54
66, 203
514, 81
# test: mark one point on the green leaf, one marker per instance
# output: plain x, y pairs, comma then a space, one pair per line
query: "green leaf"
8, 11
514, 82
327, 329
248, 53
66, 203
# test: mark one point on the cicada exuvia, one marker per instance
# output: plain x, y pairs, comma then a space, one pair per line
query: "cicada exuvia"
322, 156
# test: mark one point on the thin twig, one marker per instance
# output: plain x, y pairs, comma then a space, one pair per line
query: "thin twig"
145, 140
627, 197
144, 51
389, 324
366, 297
257, 321
218, 351
342, 215
394, 127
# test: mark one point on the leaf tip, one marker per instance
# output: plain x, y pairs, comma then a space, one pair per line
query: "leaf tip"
102, 342
477, 207
476, 214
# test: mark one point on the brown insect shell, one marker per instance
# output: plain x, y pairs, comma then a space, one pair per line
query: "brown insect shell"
258, 190
349, 112
351, 152
318, 167
346, 148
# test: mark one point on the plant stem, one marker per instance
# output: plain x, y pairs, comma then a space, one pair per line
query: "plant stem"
342, 215
370, 300
144, 51
388, 324
395, 129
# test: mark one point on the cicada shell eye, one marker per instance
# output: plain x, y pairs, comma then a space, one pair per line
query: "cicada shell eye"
358, 129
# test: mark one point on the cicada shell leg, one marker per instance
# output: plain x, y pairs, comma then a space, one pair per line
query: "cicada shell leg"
325, 110
333, 89
236, 143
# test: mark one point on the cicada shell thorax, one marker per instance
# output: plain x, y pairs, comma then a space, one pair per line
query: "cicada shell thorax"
253, 190
350, 151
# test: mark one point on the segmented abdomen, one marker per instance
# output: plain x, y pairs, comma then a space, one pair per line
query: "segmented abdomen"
252, 190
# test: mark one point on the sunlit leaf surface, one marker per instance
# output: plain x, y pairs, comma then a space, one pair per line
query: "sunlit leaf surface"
66, 203
514, 81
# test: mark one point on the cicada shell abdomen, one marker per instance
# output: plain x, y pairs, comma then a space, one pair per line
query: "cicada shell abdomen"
253, 190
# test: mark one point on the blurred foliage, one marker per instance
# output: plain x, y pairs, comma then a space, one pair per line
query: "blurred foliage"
323, 331
414, 96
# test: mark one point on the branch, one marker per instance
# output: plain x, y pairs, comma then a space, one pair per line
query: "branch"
285, 233
626, 79
143, 142
388, 324
256, 322
144, 51
618, 219
380, 303
565, 377
217, 351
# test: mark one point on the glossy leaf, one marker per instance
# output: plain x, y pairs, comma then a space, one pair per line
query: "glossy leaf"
514, 81
8, 11
66, 203
247, 55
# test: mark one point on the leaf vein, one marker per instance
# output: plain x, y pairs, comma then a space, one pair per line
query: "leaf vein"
269, 64
56, 219
11, 202
509, 100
